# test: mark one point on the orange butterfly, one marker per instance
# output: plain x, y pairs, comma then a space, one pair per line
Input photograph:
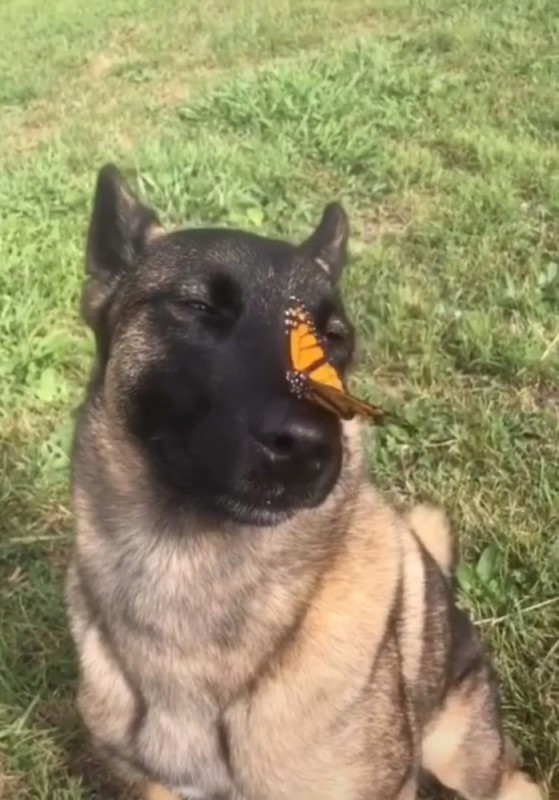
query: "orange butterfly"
312, 376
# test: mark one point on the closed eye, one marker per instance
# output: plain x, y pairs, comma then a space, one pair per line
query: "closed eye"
195, 310
202, 306
220, 300
336, 332
336, 336
339, 342
181, 306
331, 325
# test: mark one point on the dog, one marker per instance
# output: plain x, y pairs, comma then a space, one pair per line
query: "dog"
252, 619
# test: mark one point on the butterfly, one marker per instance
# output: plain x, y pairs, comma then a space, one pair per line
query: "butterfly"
312, 376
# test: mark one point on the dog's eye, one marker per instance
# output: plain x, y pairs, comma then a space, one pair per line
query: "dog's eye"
336, 333
200, 305
335, 336
189, 305
339, 342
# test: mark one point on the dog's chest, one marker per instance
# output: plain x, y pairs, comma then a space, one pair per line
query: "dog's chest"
275, 746
196, 645
278, 704
251, 672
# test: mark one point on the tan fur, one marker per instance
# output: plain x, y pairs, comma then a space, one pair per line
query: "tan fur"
430, 524
519, 787
462, 746
409, 792
444, 741
153, 791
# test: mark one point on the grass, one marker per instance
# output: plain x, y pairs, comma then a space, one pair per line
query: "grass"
436, 122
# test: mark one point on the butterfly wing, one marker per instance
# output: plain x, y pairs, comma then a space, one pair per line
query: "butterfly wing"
304, 347
311, 375
344, 404
307, 355
326, 375
330, 400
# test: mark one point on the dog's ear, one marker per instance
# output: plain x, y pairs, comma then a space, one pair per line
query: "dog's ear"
119, 231
327, 245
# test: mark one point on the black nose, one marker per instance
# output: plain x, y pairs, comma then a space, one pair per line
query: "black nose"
298, 448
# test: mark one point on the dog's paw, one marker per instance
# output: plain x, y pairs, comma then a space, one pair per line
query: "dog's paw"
520, 787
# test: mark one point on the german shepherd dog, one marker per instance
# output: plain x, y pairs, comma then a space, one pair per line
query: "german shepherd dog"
253, 620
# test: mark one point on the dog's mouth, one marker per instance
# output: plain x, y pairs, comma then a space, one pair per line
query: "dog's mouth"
273, 503
255, 501
245, 512
258, 512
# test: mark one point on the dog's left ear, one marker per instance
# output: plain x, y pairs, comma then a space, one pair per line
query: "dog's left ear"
327, 245
120, 229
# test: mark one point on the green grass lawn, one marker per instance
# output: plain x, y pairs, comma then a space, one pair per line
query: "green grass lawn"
437, 123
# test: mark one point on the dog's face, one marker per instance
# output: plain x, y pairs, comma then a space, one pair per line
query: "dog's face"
193, 354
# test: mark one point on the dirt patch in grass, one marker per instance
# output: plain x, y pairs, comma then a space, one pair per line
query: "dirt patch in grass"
394, 217
11, 788
385, 221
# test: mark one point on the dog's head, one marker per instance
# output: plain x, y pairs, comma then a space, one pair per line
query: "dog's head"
192, 354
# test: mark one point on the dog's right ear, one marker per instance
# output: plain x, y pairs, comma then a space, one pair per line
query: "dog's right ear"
119, 231
327, 245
